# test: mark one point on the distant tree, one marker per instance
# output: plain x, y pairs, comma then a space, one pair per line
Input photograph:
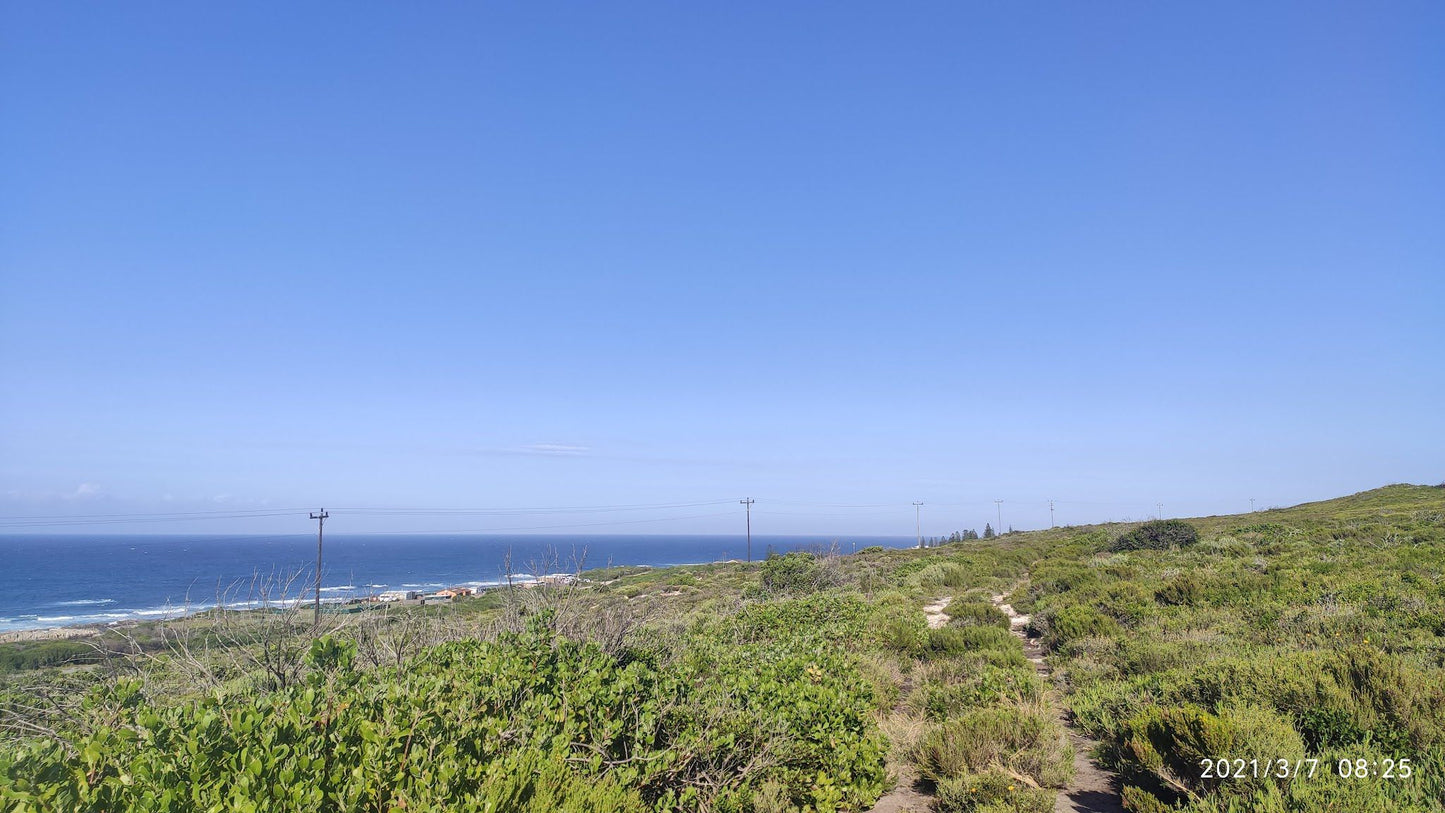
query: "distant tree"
988, 531
970, 534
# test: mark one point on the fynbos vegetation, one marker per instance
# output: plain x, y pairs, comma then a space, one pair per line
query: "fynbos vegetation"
1216, 660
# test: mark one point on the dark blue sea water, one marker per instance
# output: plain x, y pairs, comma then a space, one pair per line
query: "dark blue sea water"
51, 581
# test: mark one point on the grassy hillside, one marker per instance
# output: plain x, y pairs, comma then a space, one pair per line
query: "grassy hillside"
803, 683
1314, 630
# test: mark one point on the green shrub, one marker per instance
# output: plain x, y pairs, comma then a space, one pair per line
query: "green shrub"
1022, 740
1054, 577
1141, 656
1138, 800
945, 642
941, 574
530, 722
981, 685
900, 627
978, 638
1334, 697
990, 792
1168, 745
830, 615
795, 572
1182, 590
1075, 622
1323, 728
1126, 602
975, 614
22, 656
1157, 534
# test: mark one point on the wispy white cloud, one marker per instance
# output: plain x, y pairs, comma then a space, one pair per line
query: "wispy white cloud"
568, 449
85, 491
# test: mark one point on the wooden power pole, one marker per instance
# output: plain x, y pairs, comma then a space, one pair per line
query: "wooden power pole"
320, 518
749, 503
918, 521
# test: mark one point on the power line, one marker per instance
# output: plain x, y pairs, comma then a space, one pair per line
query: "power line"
532, 510
141, 519
545, 527
81, 520
162, 513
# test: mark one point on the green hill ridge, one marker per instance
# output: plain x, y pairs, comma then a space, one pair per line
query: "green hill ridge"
1290, 659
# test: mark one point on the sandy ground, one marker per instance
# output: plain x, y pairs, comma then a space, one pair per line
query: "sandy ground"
936, 617
905, 797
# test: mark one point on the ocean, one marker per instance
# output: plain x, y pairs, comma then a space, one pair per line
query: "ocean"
56, 581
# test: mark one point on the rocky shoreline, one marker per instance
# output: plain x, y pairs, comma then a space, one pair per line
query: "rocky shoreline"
51, 634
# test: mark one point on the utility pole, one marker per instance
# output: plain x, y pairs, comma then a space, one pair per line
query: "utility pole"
749, 503
918, 521
1159, 510
1051, 515
320, 518
999, 505
1251, 505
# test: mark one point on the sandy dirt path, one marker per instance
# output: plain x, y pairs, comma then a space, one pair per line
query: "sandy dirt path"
937, 618
1093, 789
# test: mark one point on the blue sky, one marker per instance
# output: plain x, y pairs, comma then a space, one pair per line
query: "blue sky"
266, 256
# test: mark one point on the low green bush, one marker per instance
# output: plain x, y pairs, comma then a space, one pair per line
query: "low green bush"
976, 638
1168, 746
530, 722
975, 614
945, 642
980, 685
899, 626
991, 792
941, 574
795, 572
19, 657
1157, 534
1125, 602
1182, 590
1024, 740
832, 615
1335, 697
1075, 622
